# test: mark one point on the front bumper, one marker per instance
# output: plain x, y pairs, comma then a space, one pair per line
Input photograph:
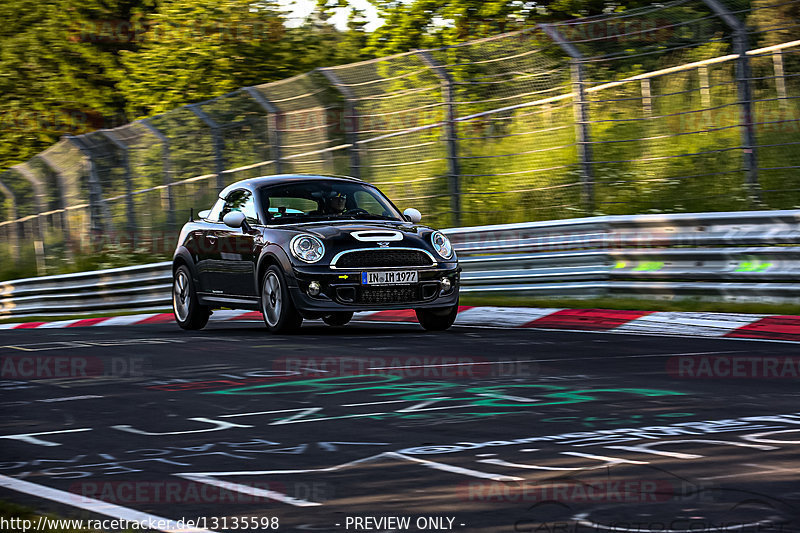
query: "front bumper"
341, 290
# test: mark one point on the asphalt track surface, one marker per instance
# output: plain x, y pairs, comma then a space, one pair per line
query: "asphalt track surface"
473, 429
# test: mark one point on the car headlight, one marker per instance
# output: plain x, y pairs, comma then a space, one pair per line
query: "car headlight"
307, 248
442, 244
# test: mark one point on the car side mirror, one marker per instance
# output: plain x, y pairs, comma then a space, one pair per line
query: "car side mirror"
412, 215
204, 214
234, 219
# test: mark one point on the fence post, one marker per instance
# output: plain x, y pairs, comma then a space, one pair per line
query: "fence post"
273, 122
581, 109
780, 78
130, 218
351, 126
167, 165
219, 156
745, 95
66, 228
41, 206
13, 232
98, 210
647, 97
449, 96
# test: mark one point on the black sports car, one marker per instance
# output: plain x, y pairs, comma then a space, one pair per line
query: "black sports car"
297, 246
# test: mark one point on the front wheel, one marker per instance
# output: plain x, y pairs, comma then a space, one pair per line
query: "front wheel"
437, 319
277, 307
340, 318
189, 314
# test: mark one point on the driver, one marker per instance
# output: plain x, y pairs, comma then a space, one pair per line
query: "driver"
336, 205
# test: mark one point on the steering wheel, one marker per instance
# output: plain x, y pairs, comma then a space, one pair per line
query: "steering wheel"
356, 211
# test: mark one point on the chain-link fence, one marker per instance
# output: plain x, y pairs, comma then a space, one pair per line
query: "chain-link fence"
686, 106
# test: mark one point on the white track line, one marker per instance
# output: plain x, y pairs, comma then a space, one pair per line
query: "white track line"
58, 324
444, 467
656, 324
251, 491
693, 323
95, 506
227, 314
125, 320
502, 316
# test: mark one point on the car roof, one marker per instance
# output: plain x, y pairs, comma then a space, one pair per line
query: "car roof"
255, 183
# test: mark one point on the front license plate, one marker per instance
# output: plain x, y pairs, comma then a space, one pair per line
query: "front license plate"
392, 277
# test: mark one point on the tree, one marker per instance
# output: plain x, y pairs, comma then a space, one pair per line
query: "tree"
431, 23
192, 50
774, 22
57, 70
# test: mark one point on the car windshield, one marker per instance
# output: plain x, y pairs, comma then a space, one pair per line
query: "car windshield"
309, 201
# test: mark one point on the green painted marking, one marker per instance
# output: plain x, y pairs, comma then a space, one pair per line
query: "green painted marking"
649, 266
745, 266
753, 266
620, 264
419, 391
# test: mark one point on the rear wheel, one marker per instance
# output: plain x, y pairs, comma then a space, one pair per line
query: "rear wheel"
438, 319
189, 314
339, 318
279, 312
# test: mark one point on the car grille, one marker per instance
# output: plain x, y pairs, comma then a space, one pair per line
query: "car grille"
387, 295
379, 258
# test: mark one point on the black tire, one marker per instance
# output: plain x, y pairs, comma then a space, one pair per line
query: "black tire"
437, 319
186, 308
279, 312
339, 318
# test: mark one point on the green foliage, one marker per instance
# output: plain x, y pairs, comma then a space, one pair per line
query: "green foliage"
195, 50
56, 71
774, 22
432, 23
68, 66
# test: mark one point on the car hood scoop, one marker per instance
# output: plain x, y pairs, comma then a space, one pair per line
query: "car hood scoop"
386, 235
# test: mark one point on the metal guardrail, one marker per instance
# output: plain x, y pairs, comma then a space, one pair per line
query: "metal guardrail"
739, 256
751, 256
141, 287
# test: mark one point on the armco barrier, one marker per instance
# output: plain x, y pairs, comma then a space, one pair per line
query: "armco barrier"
751, 256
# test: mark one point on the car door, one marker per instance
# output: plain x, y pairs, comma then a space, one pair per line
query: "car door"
206, 250
235, 272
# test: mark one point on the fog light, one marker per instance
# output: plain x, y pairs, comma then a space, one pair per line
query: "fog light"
313, 288
445, 284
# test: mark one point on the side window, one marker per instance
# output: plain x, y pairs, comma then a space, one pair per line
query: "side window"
279, 207
240, 200
214, 215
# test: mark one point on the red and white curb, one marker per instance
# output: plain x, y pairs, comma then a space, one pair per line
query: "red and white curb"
786, 328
